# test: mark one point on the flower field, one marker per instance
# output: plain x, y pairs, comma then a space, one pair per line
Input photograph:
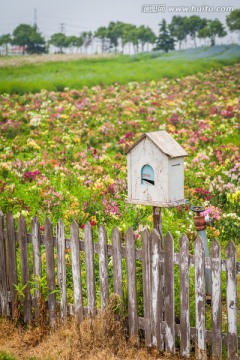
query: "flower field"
62, 154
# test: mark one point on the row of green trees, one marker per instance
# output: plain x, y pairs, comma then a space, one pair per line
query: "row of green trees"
119, 34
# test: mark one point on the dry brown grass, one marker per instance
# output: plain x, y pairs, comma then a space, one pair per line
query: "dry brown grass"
15, 61
101, 338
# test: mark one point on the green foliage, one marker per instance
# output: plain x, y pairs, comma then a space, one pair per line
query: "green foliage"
102, 34
75, 41
212, 29
178, 28
145, 36
6, 39
59, 40
165, 41
86, 37
89, 72
20, 291
233, 20
194, 24
6, 356
119, 33
28, 37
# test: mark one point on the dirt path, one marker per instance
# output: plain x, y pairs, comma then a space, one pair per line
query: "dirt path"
20, 60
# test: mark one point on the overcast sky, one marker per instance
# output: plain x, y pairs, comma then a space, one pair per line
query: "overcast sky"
80, 15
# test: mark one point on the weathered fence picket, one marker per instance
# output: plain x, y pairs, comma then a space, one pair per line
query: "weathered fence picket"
184, 297
23, 246
50, 269
3, 270
216, 301
158, 265
61, 263
90, 269
76, 271
169, 293
117, 264
103, 266
147, 289
11, 262
131, 283
155, 287
161, 298
200, 299
37, 264
232, 301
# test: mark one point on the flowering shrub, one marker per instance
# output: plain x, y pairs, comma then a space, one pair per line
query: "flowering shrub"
63, 154
31, 175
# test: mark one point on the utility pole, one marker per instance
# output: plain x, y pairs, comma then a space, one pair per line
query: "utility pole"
62, 27
35, 18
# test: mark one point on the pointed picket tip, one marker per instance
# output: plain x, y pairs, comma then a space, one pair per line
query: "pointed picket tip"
21, 216
231, 247
184, 240
168, 237
102, 229
184, 245
198, 242
87, 226
60, 222
215, 246
74, 231
87, 230
130, 232
146, 230
47, 222
9, 215
146, 233
35, 221
21, 219
155, 234
74, 225
2, 222
155, 238
10, 220
47, 229
115, 231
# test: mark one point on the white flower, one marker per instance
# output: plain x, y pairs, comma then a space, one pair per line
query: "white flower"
35, 120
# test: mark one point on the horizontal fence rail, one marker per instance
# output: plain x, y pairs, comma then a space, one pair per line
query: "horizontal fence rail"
152, 278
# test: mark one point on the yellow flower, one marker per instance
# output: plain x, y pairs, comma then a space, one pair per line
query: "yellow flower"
171, 128
234, 198
32, 144
150, 218
77, 140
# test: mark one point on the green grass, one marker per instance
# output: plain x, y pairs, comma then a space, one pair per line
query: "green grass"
105, 71
5, 356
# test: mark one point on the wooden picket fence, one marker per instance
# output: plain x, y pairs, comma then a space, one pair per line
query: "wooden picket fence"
159, 323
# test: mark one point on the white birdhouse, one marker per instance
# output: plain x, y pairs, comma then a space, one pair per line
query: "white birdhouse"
156, 171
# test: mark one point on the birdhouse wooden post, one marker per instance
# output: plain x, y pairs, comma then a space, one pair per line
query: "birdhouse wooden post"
156, 173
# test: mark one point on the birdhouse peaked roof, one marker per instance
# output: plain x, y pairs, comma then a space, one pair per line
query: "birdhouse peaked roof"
164, 142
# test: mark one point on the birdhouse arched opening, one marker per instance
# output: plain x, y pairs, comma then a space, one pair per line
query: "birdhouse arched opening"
147, 175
